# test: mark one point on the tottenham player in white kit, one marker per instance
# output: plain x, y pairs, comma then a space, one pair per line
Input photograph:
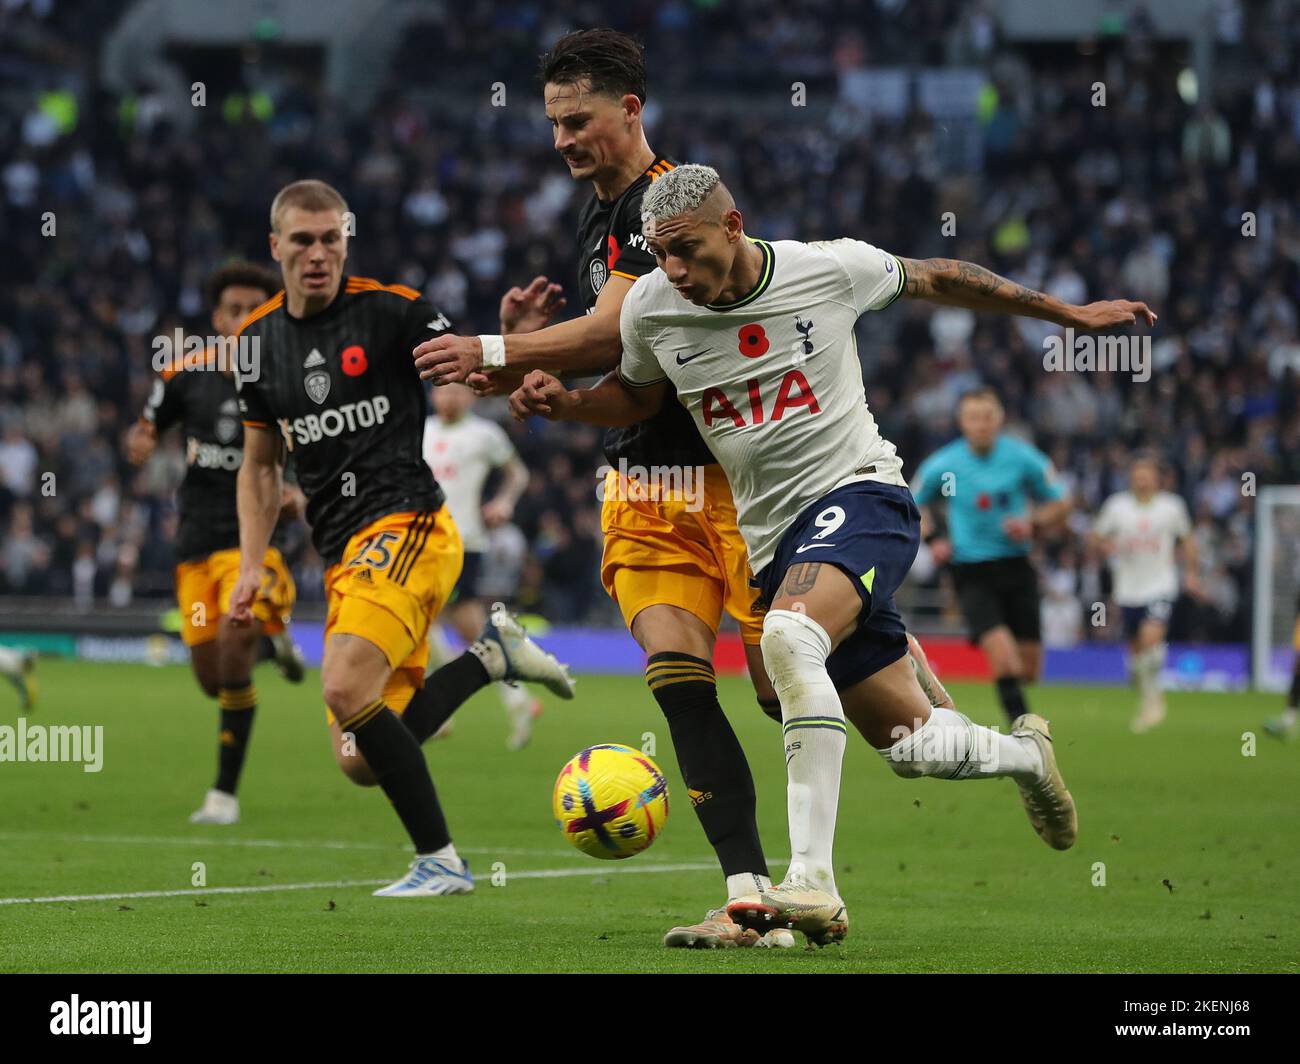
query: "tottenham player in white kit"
758, 341
1141, 530
462, 449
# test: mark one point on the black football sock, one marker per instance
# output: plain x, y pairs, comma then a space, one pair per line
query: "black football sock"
238, 703
713, 764
398, 765
442, 694
1012, 697
1293, 696
772, 707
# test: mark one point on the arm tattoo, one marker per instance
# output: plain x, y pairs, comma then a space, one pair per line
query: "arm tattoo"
939, 277
800, 578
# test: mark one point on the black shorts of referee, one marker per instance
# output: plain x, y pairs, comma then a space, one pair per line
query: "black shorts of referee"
1003, 591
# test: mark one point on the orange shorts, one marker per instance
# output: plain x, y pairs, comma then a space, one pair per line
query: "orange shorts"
204, 587
678, 551
395, 576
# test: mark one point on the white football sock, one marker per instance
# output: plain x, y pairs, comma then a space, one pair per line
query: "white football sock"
795, 649
951, 746
1147, 667
517, 700
447, 856
743, 884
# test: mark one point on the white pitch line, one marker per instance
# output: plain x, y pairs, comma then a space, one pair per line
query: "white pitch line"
271, 844
194, 892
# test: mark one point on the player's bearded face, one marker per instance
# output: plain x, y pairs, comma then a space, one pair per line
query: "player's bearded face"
311, 247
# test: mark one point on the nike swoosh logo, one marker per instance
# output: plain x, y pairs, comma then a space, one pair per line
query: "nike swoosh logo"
811, 546
689, 358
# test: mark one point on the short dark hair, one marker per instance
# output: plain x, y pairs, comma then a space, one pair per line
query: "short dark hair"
241, 275
612, 62
982, 391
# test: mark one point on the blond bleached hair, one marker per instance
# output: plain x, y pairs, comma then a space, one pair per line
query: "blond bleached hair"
680, 191
309, 195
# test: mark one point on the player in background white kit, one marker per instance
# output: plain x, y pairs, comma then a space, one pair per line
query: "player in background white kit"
757, 340
19, 667
462, 449
1142, 530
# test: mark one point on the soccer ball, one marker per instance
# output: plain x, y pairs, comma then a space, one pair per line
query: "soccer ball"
610, 801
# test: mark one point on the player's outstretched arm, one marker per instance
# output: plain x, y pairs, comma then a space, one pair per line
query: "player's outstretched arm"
966, 284
259, 496
1189, 556
589, 344
611, 403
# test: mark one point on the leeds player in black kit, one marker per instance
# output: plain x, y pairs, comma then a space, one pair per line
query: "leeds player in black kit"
199, 396
336, 386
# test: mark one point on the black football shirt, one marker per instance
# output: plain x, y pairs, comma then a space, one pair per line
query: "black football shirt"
342, 388
611, 242
203, 402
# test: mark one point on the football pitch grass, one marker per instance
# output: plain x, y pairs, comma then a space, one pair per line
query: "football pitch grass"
1188, 856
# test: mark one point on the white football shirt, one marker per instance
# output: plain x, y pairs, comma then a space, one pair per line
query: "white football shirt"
1143, 564
773, 380
461, 455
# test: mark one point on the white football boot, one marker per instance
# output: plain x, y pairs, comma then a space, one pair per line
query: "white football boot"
1151, 713
428, 877
820, 915
218, 808
508, 654
289, 658
1049, 805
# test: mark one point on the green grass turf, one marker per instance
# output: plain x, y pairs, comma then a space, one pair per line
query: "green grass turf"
937, 876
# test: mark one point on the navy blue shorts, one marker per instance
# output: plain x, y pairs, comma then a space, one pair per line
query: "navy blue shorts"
1159, 610
467, 589
871, 531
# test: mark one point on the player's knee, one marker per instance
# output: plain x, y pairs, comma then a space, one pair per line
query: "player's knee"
342, 694
210, 687
793, 645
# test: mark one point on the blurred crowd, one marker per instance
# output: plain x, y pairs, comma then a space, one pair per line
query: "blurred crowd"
114, 209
